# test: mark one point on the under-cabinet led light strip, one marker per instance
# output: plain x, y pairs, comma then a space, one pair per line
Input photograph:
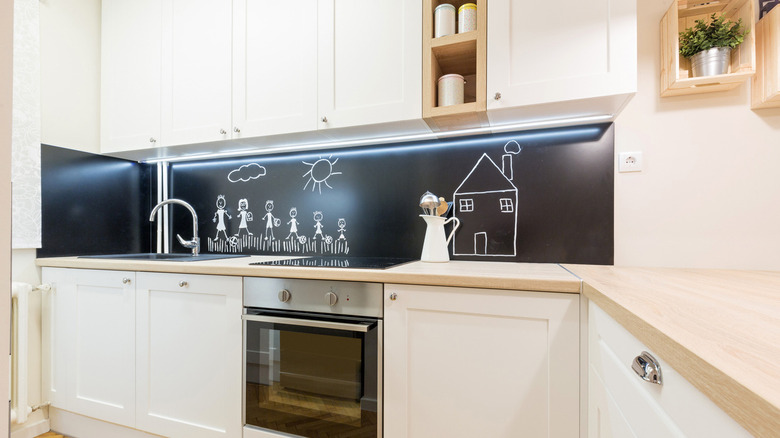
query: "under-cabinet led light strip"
385, 140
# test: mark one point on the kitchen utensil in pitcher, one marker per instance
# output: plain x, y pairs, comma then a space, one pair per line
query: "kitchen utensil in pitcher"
429, 203
435, 244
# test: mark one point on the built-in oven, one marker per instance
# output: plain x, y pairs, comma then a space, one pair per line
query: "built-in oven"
312, 358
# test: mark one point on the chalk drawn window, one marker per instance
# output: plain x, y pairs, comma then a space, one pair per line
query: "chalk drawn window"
466, 205
507, 206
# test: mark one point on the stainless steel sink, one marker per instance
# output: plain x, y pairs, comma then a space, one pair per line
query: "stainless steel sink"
170, 257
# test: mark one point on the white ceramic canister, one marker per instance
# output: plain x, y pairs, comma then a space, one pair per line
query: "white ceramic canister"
467, 18
443, 20
450, 89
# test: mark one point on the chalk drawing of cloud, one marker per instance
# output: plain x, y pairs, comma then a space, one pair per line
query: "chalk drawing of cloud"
246, 172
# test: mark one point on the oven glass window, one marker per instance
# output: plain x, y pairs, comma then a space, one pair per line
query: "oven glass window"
311, 382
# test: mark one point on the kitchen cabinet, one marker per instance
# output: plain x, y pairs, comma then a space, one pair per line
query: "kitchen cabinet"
475, 362
274, 67
559, 59
88, 325
228, 70
196, 71
130, 75
156, 352
621, 404
370, 62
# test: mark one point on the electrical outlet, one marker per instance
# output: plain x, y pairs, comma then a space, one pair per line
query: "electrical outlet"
630, 162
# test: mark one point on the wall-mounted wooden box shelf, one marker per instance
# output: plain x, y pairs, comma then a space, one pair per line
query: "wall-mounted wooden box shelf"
676, 73
461, 53
765, 87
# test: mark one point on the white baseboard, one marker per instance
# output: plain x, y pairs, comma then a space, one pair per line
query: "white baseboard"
31, 430
70, 424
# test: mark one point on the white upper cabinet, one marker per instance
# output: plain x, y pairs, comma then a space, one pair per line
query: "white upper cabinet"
274, 67
370, 62
579, 55
130, 74
196, 71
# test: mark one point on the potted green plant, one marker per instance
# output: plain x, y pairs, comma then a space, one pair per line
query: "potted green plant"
709, 45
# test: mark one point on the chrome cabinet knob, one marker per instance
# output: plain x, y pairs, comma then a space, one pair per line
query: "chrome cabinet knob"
284, 295
183, 284
125, 280
324, 120
236, 130
222, 131
393, 296
152, 140
497, 96
331, 298
646, 367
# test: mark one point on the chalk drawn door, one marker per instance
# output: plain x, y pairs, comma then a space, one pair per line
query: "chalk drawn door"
480, 243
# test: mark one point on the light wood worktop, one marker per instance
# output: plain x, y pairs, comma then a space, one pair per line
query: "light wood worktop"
719, 329
542, 277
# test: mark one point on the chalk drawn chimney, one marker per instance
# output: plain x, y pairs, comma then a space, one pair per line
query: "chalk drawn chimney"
510, 148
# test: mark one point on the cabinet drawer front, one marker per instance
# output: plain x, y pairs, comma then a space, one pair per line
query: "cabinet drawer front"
675, 408
192, 283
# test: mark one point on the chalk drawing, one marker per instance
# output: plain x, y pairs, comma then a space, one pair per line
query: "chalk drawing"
319, 173
219, 217
318, 226
293, 224
245, 215
486, 204
270, 221
245, 173
342, 223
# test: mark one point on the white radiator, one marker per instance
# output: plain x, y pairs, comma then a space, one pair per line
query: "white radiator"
20, 292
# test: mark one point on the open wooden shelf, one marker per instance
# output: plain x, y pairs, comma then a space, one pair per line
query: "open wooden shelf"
676, 73
765, 88
461, 53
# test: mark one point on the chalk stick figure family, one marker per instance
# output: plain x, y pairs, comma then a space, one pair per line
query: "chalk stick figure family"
271, 222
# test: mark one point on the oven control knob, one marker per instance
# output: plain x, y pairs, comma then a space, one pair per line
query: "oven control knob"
284, 295
332, 298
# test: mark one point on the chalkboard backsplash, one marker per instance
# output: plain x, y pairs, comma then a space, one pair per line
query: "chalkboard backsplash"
531, 196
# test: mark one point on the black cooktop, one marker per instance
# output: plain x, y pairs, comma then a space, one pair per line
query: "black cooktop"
340, 262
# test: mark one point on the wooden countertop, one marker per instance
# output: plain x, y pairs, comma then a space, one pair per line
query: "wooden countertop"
543, 277
719, 329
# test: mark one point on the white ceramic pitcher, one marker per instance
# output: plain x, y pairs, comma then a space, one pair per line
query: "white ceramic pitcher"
435, 245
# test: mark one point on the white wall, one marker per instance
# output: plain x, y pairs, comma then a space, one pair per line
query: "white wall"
709, 195
70, 117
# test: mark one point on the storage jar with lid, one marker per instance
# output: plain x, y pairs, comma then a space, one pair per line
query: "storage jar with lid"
444, 20
467, 18
450, 89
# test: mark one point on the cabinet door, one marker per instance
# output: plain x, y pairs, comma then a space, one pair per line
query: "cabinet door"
130, 75
196, 71
370, 62
540, 52
274, 67
89, 343
469, 362
188, 355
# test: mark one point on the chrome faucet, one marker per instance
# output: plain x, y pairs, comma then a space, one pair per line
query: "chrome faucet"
195, 242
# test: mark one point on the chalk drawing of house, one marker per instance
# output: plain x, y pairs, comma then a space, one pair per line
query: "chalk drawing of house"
486, 205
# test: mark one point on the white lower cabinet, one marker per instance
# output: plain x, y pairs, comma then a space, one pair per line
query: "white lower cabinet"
622, 405
156, 352
474, 362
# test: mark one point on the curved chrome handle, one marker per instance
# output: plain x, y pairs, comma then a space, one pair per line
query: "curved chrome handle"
236, 130
125, 280
222, 131
362, 327
646, 367
183, 284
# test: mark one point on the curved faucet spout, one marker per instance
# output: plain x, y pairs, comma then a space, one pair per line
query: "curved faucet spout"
195, 242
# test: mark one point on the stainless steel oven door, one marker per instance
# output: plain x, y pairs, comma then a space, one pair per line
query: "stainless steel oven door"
312, 375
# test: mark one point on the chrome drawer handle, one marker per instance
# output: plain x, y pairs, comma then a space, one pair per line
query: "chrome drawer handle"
646, 367
125, 280
183, 284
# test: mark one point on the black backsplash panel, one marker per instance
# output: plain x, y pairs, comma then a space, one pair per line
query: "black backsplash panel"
531, 196
92, 204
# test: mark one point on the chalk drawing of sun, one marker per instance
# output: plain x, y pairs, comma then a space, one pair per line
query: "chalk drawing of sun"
320, 171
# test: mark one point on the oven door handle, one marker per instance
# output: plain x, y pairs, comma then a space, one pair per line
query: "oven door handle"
363, 328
